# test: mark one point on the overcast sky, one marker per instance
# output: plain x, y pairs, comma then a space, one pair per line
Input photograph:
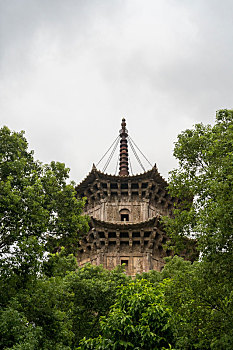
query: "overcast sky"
71, 69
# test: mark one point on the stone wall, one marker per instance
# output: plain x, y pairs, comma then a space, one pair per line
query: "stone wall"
110, 210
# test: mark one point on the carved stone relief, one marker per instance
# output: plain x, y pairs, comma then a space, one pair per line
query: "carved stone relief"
111, 213
111, 262
137, 213
138, 265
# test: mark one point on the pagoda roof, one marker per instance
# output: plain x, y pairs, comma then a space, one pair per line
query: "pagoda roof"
97, 174
122, 225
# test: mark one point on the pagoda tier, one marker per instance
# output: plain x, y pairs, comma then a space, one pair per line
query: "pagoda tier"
137, 245
125, 198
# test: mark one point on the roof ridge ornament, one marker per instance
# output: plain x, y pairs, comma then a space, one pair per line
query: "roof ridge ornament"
124, 160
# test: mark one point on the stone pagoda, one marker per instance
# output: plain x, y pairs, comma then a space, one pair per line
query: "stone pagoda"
125, 212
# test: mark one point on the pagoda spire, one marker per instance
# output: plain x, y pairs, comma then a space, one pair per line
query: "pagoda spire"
124, 164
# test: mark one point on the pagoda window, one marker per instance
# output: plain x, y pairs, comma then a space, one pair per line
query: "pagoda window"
124, 215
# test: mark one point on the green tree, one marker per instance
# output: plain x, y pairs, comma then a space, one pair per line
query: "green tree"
38, 317
39, 211
60, 306
201, 294
205, 179
138, 320
94, 291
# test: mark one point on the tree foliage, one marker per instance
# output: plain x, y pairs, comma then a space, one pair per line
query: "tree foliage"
138, 320
205, 179
56, 312
94, 290
201, 297
39, 212
38, 209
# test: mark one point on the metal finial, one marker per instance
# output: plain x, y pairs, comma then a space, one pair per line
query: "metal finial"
124, 167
